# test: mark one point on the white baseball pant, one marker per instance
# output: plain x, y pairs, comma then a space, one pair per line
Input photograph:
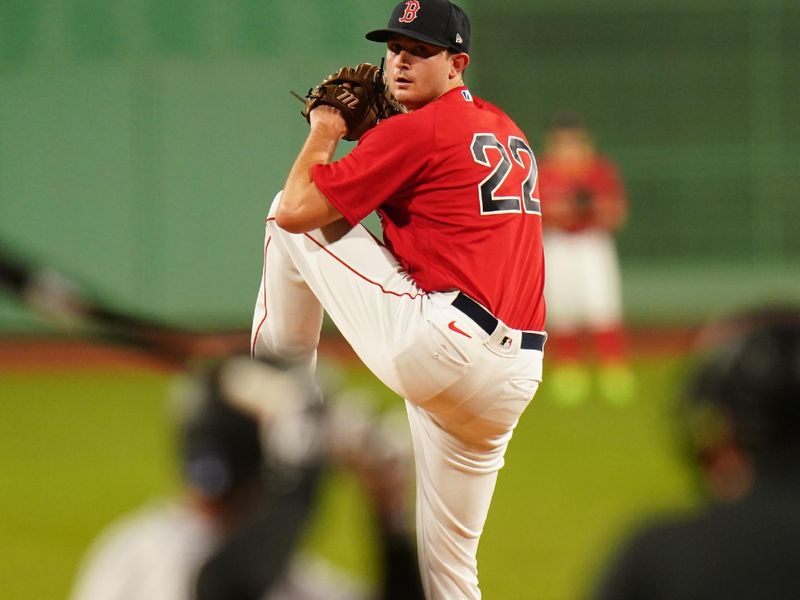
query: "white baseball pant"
583, 286
465, 389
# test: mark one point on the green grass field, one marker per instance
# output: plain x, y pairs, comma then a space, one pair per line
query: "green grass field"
78, 449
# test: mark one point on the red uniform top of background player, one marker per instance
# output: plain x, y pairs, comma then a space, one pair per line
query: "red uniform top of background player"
424, 173
580, 188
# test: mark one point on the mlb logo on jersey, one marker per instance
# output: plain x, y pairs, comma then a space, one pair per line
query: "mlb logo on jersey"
506, 342
467, 95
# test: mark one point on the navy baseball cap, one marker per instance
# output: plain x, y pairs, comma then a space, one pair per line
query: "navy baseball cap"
437, 22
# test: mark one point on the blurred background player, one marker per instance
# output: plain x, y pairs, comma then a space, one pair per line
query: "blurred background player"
583, 205
250, 439
742, 419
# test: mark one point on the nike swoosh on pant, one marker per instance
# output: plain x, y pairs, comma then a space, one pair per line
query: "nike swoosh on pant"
452, 325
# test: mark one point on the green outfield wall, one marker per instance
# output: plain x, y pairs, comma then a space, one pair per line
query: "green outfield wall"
141, 140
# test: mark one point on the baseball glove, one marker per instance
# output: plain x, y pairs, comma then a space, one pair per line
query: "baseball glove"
359, 93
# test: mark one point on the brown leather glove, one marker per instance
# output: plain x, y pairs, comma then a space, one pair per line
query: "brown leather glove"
359, 93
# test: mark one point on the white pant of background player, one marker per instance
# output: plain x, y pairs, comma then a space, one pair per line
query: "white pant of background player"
464, 395
583, 286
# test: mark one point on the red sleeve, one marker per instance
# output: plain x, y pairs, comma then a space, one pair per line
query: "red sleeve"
610, 208
610, 180
387, 159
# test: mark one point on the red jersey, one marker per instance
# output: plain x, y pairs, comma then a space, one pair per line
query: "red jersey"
455, 186
592, 190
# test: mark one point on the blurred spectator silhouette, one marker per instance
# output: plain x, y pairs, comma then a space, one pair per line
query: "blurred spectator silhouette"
741, 422
583, 205
253, 438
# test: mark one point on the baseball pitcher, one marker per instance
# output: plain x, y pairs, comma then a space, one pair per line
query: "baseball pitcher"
448, 312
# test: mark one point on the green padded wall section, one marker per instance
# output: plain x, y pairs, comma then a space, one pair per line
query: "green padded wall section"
142, 140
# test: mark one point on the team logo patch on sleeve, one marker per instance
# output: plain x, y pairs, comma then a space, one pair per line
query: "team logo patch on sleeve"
412, 6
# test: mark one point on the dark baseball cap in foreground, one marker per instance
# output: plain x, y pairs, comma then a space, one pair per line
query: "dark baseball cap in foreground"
437, 22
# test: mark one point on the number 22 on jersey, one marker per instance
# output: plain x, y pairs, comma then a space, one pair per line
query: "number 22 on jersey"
485, 145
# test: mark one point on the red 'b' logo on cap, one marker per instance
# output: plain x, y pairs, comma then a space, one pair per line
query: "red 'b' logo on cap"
412, 6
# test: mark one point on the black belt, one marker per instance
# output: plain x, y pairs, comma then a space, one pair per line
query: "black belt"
486, 321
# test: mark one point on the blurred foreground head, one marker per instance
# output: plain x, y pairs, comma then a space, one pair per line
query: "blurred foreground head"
743, 415
742, 407
228, 413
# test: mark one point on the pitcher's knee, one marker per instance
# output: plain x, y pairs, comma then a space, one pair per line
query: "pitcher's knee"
292, 350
